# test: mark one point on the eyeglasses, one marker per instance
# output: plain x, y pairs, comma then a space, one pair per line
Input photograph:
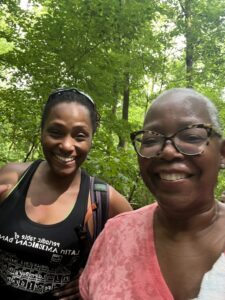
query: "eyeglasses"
61, 91
190, 140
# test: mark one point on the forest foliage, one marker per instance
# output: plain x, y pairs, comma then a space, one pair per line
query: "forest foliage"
121, 52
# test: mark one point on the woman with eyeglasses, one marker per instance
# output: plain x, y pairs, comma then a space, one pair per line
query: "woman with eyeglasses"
173, 249
43, 203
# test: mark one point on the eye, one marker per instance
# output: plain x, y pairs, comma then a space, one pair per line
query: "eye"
81, 136
55, 133
149, 141
193, 136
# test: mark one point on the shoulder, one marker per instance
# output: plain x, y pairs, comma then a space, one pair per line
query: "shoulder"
125, 231
131, 225
13, 171
16, 166
117, 203
136, 217
10, 175
121, 242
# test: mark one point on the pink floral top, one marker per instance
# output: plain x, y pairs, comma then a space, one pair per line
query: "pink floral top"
123, 263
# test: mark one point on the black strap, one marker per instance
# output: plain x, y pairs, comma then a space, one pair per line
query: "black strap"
99, 191
81, 207
99, 196
26, 177
82, 198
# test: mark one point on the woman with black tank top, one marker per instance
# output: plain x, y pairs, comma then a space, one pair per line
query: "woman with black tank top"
43, 202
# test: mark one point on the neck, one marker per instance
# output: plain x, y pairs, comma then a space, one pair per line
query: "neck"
60, 182
192, 222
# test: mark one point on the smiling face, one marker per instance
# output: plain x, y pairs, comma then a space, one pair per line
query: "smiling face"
67, 137
175, 179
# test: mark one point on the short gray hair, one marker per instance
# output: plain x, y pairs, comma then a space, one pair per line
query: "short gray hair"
212, 110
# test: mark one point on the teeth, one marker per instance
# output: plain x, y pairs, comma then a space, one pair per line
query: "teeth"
173, 176
64, 159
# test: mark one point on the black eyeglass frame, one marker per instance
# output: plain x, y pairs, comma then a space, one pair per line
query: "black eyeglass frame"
209, 128
60, 91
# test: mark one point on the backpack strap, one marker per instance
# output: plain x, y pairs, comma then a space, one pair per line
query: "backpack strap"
99, 192
100, 198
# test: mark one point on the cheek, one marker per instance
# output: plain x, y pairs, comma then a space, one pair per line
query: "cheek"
86, 146
145, 166
84, 150
44, 137
46, 141
213, 157
209, 165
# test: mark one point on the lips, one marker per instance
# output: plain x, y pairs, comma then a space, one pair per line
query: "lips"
64, 159
173, 176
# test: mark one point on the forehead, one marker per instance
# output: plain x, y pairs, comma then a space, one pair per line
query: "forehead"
179, 109
69, 111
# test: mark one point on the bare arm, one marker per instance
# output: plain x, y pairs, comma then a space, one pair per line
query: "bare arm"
9, 176
117, 203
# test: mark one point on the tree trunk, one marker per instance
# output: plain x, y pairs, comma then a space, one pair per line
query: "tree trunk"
189, 44
125, 112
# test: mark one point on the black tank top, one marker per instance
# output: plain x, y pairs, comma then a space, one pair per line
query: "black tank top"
35, 259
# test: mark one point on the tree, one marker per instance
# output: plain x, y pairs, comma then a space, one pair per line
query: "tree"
121, 52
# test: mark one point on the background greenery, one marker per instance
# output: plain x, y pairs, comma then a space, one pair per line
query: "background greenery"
121, 52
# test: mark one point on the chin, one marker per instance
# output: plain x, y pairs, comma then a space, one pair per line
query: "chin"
64, 171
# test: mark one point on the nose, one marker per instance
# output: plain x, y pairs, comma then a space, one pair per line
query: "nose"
169, 150
67, 144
